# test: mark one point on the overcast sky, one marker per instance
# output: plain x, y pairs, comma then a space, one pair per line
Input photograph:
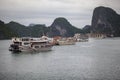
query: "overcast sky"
78, 12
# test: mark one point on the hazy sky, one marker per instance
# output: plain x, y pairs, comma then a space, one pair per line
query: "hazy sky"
78, 12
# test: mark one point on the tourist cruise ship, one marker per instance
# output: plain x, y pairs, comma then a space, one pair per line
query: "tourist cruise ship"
27, 44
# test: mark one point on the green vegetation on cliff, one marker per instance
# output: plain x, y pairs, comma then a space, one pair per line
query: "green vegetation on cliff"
60, 27
28, 31
6, 32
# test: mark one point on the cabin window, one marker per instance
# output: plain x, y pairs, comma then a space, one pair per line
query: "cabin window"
42, 46
25, 39
18, 43
36, 46
26, 43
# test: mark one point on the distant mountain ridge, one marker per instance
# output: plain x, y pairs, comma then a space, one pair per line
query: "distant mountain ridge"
60, 27
104, 20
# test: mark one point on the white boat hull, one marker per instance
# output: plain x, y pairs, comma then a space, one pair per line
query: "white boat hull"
30, 45
30, 49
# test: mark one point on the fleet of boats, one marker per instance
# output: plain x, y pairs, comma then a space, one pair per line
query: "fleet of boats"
28, 44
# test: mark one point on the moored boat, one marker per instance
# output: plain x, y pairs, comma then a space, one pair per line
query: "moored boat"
27, 44
66, 41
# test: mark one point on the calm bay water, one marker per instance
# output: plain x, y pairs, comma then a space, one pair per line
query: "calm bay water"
93, 60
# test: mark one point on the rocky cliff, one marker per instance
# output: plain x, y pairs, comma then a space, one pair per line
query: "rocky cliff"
86, 29
105, 20
61, 27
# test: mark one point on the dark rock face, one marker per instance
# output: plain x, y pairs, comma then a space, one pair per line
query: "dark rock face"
61, 27
105, 20
86, 29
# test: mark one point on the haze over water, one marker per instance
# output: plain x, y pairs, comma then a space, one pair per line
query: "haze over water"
93, 60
